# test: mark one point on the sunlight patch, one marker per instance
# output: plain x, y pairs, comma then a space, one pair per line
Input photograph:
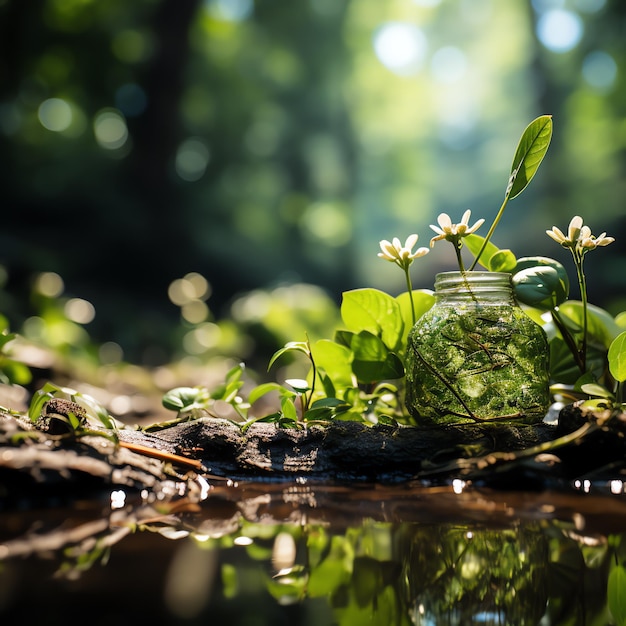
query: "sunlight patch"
400, 47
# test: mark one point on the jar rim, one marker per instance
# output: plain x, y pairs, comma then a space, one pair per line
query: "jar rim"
481, 281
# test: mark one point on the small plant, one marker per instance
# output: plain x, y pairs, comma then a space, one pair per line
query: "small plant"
359, 374
69, 412
11, 371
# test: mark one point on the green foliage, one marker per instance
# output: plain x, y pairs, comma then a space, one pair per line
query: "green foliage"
530, 152
360, 373
95, 413
531, 149
616, 595
373, 311
11, 371
617, 357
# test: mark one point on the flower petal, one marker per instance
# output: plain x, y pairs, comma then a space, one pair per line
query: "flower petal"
411, 240
444, 221
574, 229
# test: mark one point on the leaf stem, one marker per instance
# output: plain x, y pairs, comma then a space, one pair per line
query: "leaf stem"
492, 228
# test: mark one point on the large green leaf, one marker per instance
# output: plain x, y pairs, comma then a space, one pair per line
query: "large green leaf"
540, 282
616, 595
423, 300
601, 326
617, 358
335, 360
531, 149
373, 361
375, 311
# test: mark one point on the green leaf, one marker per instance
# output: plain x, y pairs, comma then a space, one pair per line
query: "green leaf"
235, 373
616, 595
502, 261
601, 326
373, 362
563, 368
492, 258
597, 391
620, 319
531, 149
423, 300
319, 414
540, 287
292, 346
288, 408
532, 278
260, 390
93, 408
40, 397
335, 360
387, 420
374, 311
617, 358
184, 398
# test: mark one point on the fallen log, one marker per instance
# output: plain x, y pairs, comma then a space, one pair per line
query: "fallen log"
509, 456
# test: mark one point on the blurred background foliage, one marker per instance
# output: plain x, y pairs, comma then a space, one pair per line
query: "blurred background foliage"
181, 179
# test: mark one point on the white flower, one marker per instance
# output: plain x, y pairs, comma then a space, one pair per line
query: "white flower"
454, 232
403, 256
579, 237
587, 241
573, 232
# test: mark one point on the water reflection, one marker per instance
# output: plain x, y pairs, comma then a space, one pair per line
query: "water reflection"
348, 557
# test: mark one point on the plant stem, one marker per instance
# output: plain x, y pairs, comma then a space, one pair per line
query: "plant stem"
492, 229
449, 386
459, 257
582, 284
409, 288
569, 340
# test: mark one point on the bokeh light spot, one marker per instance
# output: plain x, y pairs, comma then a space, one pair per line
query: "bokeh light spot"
110, 129
192, 158
79, 310
560, 30
600, 70
193, 286
110, 353
55, 114
327, 222
49, 284
200, 285
132, 46
195, 311
400, 47
230, 10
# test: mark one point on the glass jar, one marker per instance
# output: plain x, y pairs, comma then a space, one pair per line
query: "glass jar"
475, 356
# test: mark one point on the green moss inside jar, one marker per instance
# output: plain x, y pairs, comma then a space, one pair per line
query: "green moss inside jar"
475, 356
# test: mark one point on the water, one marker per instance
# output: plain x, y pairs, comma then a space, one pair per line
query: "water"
255, 554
